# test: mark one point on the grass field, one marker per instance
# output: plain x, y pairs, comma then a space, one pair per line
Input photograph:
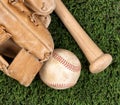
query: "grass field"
101, 20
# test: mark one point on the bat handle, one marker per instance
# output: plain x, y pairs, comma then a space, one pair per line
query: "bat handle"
97, 59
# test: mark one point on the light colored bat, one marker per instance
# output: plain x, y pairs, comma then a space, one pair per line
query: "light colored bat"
97, 59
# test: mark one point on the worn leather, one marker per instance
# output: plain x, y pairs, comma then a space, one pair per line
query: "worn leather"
27, 32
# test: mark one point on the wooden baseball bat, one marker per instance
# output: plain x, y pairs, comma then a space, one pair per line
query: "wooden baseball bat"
97, 59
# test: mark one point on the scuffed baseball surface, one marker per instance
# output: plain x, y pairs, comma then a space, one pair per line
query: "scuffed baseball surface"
62, 70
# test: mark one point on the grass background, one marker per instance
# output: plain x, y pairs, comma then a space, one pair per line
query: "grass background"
101, 20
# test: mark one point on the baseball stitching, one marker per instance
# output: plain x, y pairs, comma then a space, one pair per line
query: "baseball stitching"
64, 62
69, 66
60, 85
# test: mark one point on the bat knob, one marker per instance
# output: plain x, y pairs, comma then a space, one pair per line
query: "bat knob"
100, 63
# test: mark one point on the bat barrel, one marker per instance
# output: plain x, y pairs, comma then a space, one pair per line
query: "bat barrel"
97, 59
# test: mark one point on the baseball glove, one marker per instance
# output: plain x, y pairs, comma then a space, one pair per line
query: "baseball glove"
23, 29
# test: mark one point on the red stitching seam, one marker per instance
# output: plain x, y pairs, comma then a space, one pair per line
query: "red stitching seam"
65, 63
60, 85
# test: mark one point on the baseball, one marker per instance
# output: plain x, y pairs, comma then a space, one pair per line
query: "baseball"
62, 70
